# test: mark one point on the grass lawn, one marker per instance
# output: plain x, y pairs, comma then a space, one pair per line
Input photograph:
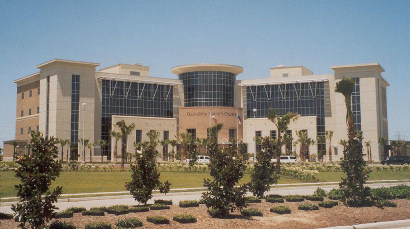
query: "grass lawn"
375, 175
88, 182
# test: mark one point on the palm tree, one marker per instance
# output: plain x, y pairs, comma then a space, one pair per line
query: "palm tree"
68, 142
343, 143
90, 146
14, 144
304, 141
102, 144
125, 131
281, 124
383, 142
329, 136
84, 143
321, 140
116, 135
173, 143
346, 87
369, 150
185, 141
63, 142
164, 144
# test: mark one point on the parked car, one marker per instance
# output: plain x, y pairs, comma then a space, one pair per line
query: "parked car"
396, 160
201, 159
285, 159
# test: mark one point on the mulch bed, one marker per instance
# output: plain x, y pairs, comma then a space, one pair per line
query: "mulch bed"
324, 217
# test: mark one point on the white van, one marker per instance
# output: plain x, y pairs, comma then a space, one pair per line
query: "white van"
201, 159
285, 159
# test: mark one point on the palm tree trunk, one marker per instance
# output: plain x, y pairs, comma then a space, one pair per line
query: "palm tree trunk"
370, 154
115, 150
123, 149
349, 117
330, 151
91, 156
279, 152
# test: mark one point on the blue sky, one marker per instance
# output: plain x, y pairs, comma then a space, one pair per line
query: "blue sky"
256, 35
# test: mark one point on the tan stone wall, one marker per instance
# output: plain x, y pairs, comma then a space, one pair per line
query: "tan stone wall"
26, 104
198, 118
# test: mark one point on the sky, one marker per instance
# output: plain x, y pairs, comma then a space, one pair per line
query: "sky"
256, 35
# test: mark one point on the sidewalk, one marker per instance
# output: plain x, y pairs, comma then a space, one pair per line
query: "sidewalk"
126, 199
379, 225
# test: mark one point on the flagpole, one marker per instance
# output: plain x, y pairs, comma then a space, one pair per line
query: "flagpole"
237, 129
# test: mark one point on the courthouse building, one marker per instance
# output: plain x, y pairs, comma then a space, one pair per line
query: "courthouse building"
71, 100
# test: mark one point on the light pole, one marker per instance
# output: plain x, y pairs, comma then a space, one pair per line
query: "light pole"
254, 112
83, 141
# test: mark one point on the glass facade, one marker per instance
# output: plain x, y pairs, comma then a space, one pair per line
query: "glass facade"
133, 99
75, 114
357, 117
208, 88
306, 99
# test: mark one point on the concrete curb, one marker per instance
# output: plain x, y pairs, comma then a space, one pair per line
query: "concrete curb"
382, 225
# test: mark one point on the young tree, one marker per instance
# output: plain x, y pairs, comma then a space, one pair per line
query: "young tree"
102, 144
264, 173
90, 146
185, 139
173, 143
227, 168
321, 140
84, 143
145, 175
63, 142
164, 144
329, 136
36, 172
304, 142
369, 150
353, 164
125, 131
116, 136
281, 124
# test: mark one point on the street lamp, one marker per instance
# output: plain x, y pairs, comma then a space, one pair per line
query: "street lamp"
83, 141
254, 112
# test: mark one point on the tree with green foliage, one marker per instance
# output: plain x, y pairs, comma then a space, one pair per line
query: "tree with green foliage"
353, 164
102, 144
369, 150
227, 168
264, 173
116, 135
84, 142
281, 123
90, 146
145, 175
329, 136
125, 131
36, 172
304, 143
185, 141
173, 143
321, 140
63, 142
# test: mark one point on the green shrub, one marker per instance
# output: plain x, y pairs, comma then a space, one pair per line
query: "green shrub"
188, 203
335, 194
294, 198
280, 210
308, 207
64, 214
158, 207
157, 220
98, 225
274, 196
275, 200
328, 204
165, 202
252, 199
5, 216
139, 209
117, 209
94, 212
214, 213
401, 191
384, 203
185, 218
320, 192
61, 225
129, 223
314, 198
76, 209
251, 212
381, 193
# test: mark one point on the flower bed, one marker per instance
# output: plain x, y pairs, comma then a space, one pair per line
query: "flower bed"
188, 203
129, 223
185, 218
308, 207
157, 220
280, 210
251, 212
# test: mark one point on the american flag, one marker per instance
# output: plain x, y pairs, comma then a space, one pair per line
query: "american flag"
212, 115
239, 118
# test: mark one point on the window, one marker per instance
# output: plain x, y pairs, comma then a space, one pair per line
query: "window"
285, 75
21, 113
165, 146
38, 110
29, 129
38, 128
75, 109
22, 95
192, 132
38, 91
21, 131
232, 136
134, 73
138, 138
30, 93
29, 111
273, 134
258, 134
